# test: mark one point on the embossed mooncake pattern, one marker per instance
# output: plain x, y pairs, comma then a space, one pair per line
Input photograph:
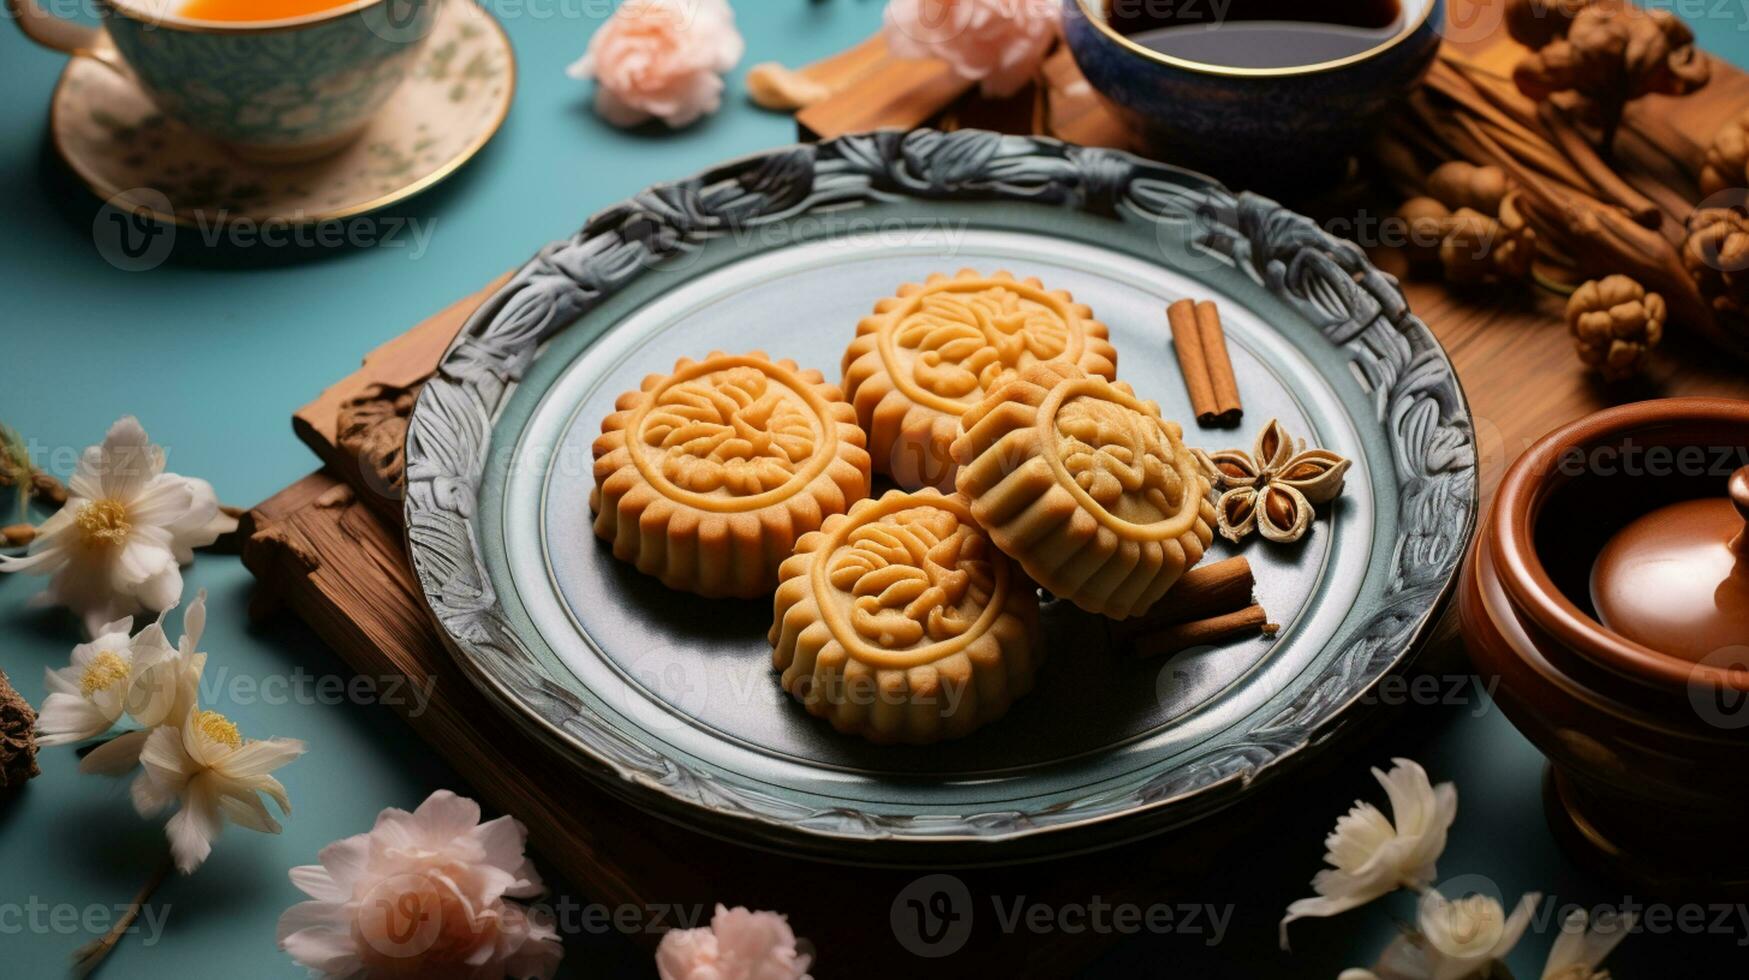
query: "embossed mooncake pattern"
1087, 486
930, 353
706, 477
902, 623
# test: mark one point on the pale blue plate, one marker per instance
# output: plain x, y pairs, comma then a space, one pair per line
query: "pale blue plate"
671, 699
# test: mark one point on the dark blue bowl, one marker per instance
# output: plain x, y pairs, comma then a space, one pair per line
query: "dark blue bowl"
1279, 122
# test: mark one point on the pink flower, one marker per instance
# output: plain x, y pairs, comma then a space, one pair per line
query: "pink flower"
998, 43
661, 58
737, 945
424, 894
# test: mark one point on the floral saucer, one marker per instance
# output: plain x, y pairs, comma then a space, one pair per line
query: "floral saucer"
129, 153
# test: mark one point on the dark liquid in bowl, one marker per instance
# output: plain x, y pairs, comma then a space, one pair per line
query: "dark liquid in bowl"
1257, 33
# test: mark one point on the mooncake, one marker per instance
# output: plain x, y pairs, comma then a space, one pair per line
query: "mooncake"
1086, 486
901, 622
933, 351
705, 478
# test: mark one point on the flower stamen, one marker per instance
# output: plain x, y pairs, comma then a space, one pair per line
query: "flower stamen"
105, 671
103, 523
217, 728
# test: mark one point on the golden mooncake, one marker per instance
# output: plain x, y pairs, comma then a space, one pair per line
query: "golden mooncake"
706, 477
901, 622
1086, 486
933, 351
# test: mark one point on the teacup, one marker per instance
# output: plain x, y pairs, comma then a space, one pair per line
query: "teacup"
1278, 124
283, 90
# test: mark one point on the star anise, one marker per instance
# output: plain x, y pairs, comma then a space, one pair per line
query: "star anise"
1272, 489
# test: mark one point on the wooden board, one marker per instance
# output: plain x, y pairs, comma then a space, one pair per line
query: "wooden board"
329, 549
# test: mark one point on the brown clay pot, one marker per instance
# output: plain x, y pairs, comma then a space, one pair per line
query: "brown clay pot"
1648, 750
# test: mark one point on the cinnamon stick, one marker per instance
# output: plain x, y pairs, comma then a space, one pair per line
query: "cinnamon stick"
1206, 590
1201, 632
1196, 360
1573, 144
1220, 365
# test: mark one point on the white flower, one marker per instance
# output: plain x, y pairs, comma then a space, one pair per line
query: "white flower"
1455, 939
207, 767
1464, 935
662, 59
1371, 856
423, 894
1579, 951
87, 697
117, 545
116, 674
737, 945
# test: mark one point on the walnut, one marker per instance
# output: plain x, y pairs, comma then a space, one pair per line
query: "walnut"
1469, 245
17, 739
1612, 55
1426, 220
1727, 160
1716, 255
1615, 324
1468, 250
1515, 248
1461, 184
1534, 23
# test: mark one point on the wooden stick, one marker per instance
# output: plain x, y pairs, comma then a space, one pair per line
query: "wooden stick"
1201, 632
1204, 591
895, 92
1573, 144
1187, 342
1228, 410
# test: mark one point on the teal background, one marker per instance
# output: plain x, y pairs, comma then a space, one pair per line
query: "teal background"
214, 349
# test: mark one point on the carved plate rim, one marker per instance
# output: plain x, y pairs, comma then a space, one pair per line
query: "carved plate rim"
1418, 398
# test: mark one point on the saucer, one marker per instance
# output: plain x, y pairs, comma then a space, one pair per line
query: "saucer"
132, 155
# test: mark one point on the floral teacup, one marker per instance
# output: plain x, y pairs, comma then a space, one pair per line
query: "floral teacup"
276, 90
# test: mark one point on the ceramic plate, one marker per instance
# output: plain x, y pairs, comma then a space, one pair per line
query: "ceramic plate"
130, 154
672, 699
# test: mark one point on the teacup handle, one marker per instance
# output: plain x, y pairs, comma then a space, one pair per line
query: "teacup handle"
59, 34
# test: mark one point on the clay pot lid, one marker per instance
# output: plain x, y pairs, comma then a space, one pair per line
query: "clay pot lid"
1677, 579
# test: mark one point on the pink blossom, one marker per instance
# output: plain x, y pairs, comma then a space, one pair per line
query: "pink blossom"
998, 43
662, 59
424, 894
737, 945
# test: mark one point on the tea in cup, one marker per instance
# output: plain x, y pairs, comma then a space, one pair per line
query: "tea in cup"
273, 80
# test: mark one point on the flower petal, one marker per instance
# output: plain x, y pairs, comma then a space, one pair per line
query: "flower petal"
246, 810
66, 718
191, 829
126, 460
150, 795
260, 756
193, 623
1322, 906
115, 757
165, 756
444, 816
315, 881
162, 501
